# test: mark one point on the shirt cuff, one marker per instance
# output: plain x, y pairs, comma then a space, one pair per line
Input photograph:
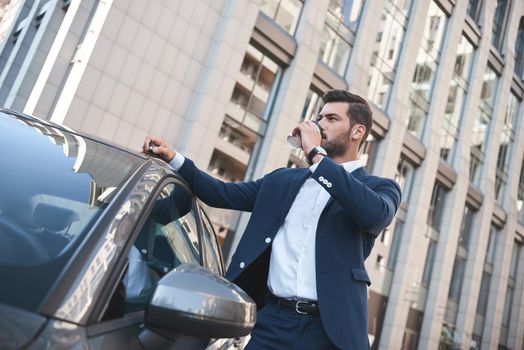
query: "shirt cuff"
177, 162
313, 167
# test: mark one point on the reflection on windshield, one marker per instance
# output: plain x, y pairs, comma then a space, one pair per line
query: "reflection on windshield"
54, 185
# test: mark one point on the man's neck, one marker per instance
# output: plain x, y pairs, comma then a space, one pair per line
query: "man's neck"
348, 157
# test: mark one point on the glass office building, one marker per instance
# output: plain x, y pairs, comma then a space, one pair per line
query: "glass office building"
225, 81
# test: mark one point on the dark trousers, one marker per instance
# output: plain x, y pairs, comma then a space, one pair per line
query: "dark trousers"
281, 328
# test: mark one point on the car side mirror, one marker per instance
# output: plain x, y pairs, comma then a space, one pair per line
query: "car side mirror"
194, 301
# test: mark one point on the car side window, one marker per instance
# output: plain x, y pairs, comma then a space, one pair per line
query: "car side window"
168, 238
212, 250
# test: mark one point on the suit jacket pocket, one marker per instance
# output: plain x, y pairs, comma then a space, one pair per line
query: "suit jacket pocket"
361, 275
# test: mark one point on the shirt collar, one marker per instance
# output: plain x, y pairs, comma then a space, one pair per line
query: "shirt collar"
352, 165
349, 166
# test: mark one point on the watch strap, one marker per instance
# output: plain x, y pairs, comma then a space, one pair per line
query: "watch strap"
314, 151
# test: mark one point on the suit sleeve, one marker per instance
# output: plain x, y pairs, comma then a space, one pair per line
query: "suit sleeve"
372, 209
219, 194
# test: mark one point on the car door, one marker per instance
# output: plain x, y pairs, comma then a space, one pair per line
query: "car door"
167, 237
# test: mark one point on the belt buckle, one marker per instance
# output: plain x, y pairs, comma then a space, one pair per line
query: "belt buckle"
297, 305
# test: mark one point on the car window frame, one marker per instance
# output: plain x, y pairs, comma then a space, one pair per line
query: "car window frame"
203, 216
99, 310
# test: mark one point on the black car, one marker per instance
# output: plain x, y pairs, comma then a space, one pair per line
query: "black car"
103, 248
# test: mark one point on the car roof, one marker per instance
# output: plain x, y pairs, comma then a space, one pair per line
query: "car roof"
34, 121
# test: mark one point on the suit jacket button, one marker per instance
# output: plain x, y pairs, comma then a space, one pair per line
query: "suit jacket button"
321, 178
268, 240
329, 185
242, 264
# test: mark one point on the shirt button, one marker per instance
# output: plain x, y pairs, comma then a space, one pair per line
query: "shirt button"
268, 240
242, 264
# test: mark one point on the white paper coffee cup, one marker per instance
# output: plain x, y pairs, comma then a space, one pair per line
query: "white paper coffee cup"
295, 141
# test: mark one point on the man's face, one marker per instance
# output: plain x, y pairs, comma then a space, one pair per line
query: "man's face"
336, 135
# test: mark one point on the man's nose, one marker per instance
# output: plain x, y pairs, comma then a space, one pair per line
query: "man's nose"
319, 123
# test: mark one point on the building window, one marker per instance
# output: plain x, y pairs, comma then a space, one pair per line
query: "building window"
515, 258
485, 283
388, 43
247, 116
492, 244
506, 316
404, 177
449, 132
519, 50
473, 10
428, 265
483, 294
499, 23
436, 207
338, 33
508, 302
457, 276
466, 228
520, 195
244, 127
506, 142
435, 212
368, 151
285, 13
428, 58
482, 124
395, 245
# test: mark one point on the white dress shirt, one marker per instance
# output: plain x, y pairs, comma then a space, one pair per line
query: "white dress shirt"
292, 272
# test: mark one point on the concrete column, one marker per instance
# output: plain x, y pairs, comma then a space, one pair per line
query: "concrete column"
454, 207
499, 280
482, 221
406, 291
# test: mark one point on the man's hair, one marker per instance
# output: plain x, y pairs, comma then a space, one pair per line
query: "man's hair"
358, 111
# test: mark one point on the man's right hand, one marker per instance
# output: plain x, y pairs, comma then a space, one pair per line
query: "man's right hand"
158, 148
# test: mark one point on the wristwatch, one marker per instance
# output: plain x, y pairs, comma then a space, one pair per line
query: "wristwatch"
316, 150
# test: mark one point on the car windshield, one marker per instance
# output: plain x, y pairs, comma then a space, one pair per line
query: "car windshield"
53, 186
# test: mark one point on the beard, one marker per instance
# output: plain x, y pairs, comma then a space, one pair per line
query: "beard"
338, 146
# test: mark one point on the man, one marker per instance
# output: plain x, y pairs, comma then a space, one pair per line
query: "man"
301, 257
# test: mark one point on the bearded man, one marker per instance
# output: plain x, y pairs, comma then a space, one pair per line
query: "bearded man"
301, 257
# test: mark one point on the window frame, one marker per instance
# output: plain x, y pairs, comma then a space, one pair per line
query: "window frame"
204, 217
498, 37
96, 318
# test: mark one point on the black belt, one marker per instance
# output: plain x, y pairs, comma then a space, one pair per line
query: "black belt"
305, 307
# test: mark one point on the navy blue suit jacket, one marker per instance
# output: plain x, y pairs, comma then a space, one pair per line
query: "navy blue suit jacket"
360, 207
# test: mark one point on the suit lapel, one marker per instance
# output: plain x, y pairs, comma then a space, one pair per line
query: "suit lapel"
298, 180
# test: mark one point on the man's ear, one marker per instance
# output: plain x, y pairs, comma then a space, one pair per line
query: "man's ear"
359, 132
